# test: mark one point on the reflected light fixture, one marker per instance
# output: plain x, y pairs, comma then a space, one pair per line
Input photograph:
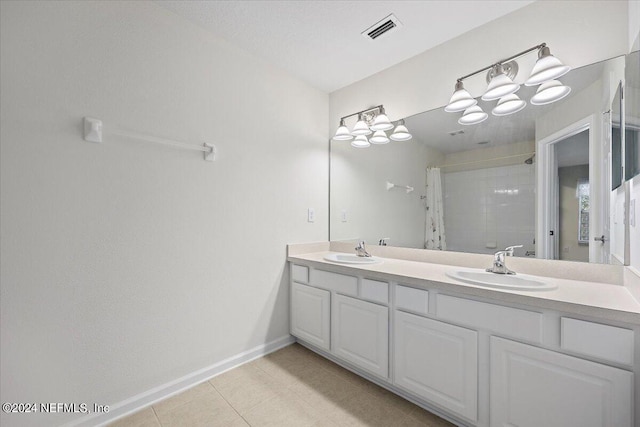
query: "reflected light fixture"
472, 116
508, 105
360, 141
379, 137
373, 119
502, 86
549, 92
460, 100
400, 133
547, 67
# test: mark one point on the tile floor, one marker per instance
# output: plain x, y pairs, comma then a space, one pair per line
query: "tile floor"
290, 387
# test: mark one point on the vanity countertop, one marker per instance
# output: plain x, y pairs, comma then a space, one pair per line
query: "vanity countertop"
606, 301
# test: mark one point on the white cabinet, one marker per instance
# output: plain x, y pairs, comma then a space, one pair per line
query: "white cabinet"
310, 310
438, 362
360, 334
533, 387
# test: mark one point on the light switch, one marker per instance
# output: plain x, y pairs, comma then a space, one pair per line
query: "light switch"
311, 215
343, 215
632, 213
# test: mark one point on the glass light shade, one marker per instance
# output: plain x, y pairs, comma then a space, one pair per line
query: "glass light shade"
508, 105
360, 142
381, 122
343, 134
379, 137
547, 67
460, 100
361, 128
401, 133
499, 86
473, 115
549, 92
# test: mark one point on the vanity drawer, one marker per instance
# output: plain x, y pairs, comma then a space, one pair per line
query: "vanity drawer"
597, 340
374, 290
506, 321
412, 299
346, 285
300, 273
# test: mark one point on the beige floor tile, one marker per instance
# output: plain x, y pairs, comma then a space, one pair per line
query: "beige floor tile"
208, 409
247, 386
187, 396
291, 387
428, 419
283, 410
144, 418
290, 366
325, 391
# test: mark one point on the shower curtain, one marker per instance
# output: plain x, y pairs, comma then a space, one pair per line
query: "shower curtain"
434, 229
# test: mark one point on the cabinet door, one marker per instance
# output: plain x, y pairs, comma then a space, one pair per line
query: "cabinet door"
360, 334
310, 311
533, 387
438, 362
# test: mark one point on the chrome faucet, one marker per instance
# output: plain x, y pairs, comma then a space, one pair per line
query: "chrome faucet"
499, 266
361, 251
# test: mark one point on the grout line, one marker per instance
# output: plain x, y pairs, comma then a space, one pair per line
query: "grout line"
156, 415
230, 405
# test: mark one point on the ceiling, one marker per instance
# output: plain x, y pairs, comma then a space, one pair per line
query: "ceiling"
320, 42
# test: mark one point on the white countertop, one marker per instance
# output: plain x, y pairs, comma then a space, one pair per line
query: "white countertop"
607, 301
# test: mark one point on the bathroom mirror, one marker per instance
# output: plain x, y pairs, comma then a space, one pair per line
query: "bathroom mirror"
489, 176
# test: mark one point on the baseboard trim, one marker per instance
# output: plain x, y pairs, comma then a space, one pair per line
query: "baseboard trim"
156, 394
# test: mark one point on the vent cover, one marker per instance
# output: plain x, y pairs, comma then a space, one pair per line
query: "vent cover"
382, 27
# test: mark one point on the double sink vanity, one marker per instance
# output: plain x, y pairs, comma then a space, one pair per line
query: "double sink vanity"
477, 348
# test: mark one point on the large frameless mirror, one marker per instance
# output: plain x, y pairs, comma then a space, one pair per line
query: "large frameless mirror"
534, 178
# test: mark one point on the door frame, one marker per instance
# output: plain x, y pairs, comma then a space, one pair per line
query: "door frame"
547, 184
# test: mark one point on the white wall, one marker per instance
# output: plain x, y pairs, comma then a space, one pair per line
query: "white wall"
126, 265
358, 186
634, 25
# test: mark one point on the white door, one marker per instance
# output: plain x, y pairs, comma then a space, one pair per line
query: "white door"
438, 362
310, 314
533, 387
360, 334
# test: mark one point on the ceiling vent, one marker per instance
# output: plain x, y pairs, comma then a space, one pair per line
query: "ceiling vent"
382, 27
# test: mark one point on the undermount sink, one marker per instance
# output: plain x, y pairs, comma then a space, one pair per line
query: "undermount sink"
351, 259
503, 281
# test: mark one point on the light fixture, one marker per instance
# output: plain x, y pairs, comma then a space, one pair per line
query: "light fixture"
508, 105
360, 141
372, 119
472, 116
379, 137
500, 85
400, 133
361, 127
343, 134
547, 67
381, 122
460, 100
549, 92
